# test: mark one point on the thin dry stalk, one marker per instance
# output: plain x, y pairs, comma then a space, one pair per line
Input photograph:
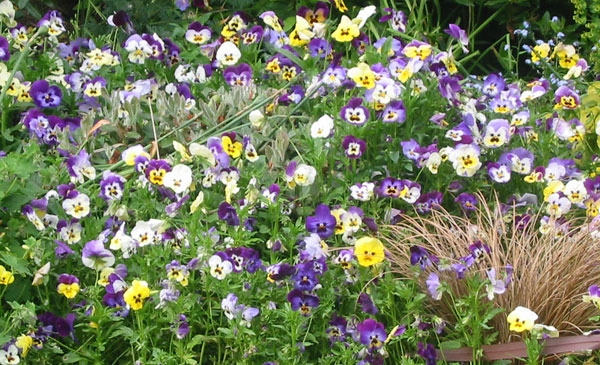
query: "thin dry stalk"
550, 273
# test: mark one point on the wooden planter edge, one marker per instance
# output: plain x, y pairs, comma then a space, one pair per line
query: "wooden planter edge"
513, 350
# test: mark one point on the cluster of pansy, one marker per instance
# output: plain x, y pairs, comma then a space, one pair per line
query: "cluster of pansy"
493, 128
424, 261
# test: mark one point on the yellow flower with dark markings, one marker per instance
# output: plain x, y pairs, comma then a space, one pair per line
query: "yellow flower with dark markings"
137, 294
369, 251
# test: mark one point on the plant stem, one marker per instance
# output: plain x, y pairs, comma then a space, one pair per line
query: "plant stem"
16, 67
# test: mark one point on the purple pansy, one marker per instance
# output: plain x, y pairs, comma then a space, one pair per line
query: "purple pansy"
394, 112
372, 334
302, 301
353, 147
240, 75
322, 223
95, 256
228, 214
44, 95
355, 113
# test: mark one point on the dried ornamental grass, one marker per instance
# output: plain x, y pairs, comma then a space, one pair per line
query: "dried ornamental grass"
551, 272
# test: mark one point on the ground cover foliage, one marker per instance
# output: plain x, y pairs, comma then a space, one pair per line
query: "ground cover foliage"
337, 183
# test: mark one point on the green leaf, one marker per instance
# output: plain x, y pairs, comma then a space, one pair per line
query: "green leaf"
71, 357
450, 345
18, 265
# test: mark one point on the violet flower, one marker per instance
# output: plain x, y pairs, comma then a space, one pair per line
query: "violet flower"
228, 214
372, 334
303, 302
322, 223
353, 147
44, 95
95, 256
366, 304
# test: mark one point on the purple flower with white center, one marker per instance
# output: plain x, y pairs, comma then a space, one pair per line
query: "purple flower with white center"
494, 286
360, 43
499, 173
428, 353
319, 47
355, 113
420, 256
254, 35
428, 201
322, 223
69, 231
411, 149
240, 75
566, 98
37, 123
433, 285
468, 202
502, 106
93, 88
493, 85
396, 18
337, 331
366, 304
95, 256
139, 49
394, 112
497, 133
4, 50
458, 33
353, 147
478, 251
228, 214
229, 306
271, 194
244, 258
312, 248
198, 33
279, 271
79, 166
53, 20
519, 159
303, 302
334, 76
44, 95
558, 169
372, 334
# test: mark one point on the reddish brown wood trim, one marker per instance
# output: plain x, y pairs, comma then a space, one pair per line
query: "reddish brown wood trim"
513, 350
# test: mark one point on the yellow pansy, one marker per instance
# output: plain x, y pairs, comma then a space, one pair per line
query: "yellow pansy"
6, 277
521, 319
233, 149
24, 342
362, 75
540, 51
369, 251
553, 186
346, 31
137, 294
